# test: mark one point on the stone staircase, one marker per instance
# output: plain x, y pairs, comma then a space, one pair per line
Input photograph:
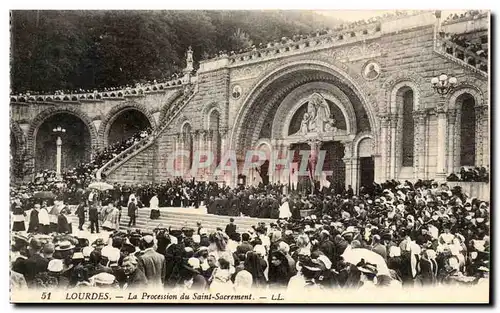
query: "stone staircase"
124, 156
461, 56
176, 218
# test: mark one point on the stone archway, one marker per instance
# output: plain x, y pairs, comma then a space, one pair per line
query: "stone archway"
468, 120
115, 113
297, 73
262, 104
68, 112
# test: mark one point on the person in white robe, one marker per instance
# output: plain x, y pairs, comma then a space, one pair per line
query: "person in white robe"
285, 209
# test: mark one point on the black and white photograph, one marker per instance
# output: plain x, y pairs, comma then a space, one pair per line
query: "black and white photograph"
249, 156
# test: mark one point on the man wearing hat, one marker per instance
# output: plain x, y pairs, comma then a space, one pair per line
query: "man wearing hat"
36, 263
94, 218
152, 263
80, 212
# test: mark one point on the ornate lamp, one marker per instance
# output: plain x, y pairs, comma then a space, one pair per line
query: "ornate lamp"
443, 84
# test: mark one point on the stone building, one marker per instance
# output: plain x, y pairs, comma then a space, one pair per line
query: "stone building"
361, 94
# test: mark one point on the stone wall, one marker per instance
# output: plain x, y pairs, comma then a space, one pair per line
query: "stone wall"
212, 94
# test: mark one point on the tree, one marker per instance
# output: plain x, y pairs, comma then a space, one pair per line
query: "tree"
88, 50
241, 40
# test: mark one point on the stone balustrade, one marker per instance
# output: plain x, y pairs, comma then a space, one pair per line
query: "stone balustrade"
102, 95
462, 54
342, 37
466, 18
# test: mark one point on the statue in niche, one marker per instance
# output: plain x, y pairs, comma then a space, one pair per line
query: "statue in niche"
318, 117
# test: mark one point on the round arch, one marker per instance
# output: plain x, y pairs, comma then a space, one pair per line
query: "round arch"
18, 134
45, 114
357, 141
394, 106
295, 67
399, 80
186, 125
208, 110
475, 92
115, 112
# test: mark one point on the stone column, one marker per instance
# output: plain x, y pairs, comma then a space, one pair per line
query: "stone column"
348, 161
452, 117
393, 122
182, 148
381, 173
58, 156
355, 169
177, 139
420, 139
203, 151
482, 136
441, 141
222, 137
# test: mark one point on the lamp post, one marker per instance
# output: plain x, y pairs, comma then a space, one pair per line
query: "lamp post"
442, 85
58, 131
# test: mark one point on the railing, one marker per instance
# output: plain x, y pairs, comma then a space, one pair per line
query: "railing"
343, 36
142, 144
463, 56
99, 96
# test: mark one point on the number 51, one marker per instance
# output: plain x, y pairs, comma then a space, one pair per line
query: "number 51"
46, 295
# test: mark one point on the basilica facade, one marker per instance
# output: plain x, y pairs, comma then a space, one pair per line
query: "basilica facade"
367, 97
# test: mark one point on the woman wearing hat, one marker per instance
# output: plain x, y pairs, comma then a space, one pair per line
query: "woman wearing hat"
54, 277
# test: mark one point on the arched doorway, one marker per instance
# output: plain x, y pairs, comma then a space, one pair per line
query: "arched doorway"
274, 109
76, 142
126, 124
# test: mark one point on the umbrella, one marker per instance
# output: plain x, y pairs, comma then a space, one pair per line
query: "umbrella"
44, 195
354, 256
101, 186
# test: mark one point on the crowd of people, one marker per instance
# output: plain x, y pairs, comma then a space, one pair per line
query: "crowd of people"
396, 235
475, 47
142, 84
299, 37
471, 14
477, 174
72, 185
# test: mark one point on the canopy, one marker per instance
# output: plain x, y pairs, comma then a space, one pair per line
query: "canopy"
354, 256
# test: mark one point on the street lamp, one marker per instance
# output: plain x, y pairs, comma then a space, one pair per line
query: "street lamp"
59, 131
442, 85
